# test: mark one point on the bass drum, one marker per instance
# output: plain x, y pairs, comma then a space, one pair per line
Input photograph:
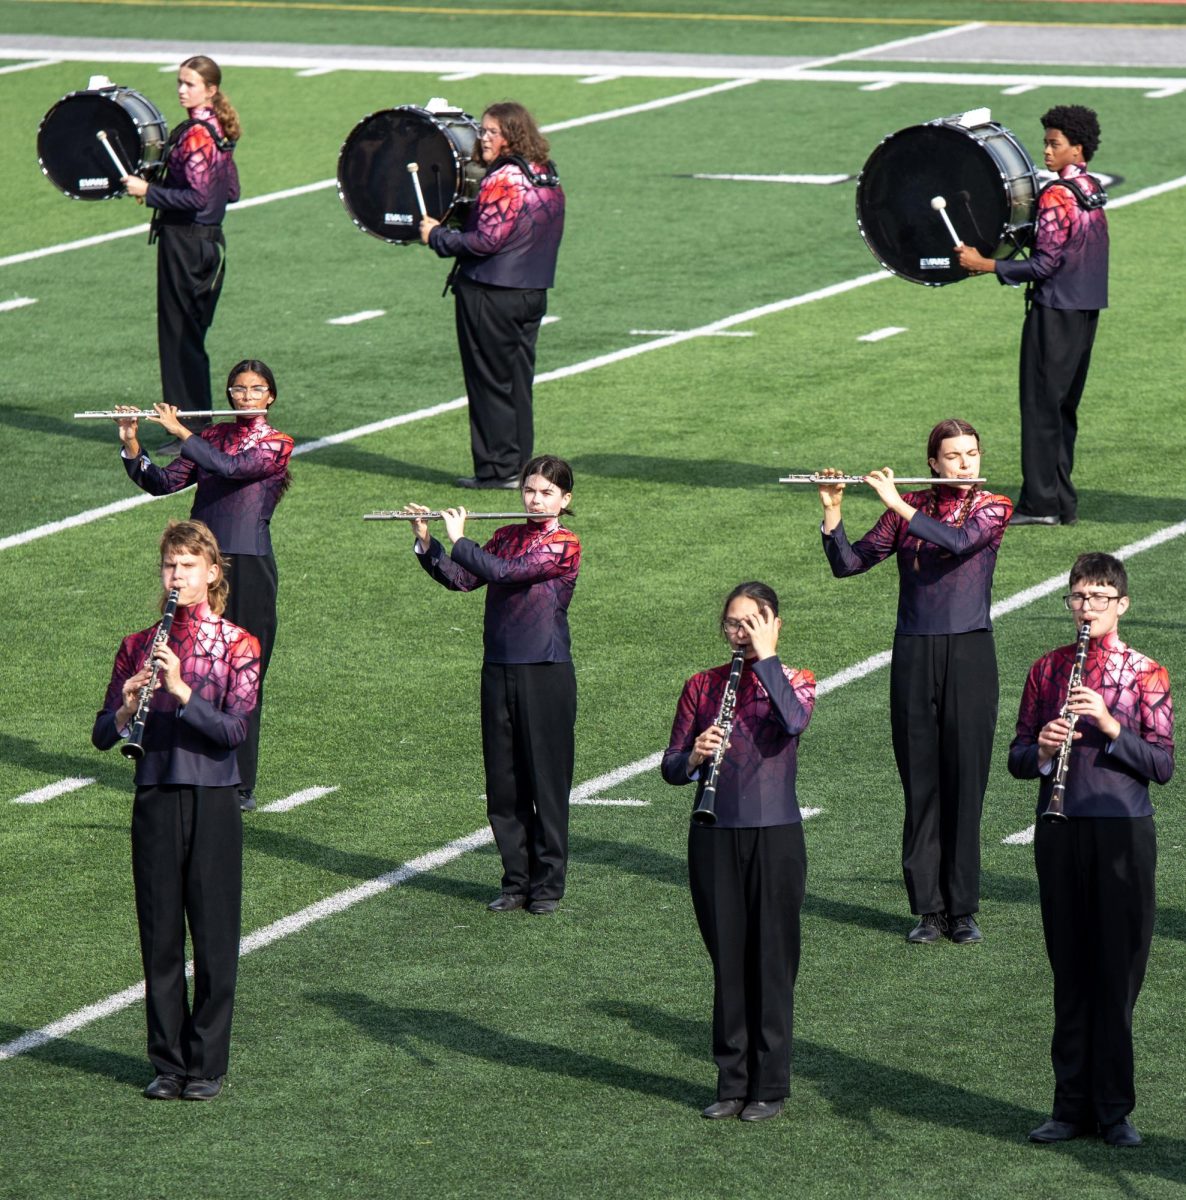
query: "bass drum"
980, 169
374, 182
71, 154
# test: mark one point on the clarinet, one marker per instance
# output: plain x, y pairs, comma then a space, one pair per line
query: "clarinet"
705, 812
133, 747
1054, 810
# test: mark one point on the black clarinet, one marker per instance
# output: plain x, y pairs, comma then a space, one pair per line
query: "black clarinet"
1054, 810
705, 812
133, 747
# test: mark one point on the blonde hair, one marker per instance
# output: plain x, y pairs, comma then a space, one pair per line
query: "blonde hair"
194, 537
224, 110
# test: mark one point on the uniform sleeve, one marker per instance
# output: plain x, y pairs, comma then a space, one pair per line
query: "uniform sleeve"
159, 481
500, 201
226, 725
684, 729
551, 560
196, 152
792, 693
879, 543
1023, 750
1055, 208
1150, 751
269, 458
447, 572
984, 524
104, 734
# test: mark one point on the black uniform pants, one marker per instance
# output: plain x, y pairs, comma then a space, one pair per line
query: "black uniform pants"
496, 334
189, 275
1096, 889
529, 715
747, 891
1055, 354
251, 605
187, 864
943, 713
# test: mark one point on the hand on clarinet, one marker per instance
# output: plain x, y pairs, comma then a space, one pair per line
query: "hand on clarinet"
1084, 702
131, 693
705, 746
170, 674
1051, 738
427, 225
454, 519
419, 528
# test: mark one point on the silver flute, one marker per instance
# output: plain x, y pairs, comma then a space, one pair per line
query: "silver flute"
133, 747
816, 480
110, 414
438, 516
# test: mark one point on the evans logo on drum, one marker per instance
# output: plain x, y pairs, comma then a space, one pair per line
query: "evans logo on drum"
934, 264
89, 185
397, 218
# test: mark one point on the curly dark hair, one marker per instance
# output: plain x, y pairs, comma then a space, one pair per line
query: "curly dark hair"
1079, 125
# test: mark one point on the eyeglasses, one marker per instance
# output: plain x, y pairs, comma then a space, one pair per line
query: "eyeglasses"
732, 626
485, 133
1096, 601
256, 389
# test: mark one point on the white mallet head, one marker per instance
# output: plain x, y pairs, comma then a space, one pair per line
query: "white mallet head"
414, 167
938, 203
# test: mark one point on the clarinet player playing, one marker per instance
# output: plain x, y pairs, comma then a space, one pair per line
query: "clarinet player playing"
187, 831
943, 677
1096, 866
748, 868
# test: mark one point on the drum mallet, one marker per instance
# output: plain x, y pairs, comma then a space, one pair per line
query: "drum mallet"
414, 171
939, 204
102, 136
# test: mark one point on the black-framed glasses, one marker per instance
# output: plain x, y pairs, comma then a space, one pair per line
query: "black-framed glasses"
256, 390
1096, 601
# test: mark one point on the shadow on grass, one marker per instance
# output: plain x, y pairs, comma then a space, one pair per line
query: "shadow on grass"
108, 769
90, 1060
348, 457
404, 1028
857, 1089
717, 472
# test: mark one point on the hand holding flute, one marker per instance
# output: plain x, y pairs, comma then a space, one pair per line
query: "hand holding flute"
454, 519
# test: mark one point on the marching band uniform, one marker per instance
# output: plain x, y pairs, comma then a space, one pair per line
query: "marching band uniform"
241, 471
506, 261
529, 692
200, 181
1096, 869
1068, 272
748, 871
943, 680
187, 837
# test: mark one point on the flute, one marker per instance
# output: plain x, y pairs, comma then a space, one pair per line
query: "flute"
437, 516
816, 480
182, 414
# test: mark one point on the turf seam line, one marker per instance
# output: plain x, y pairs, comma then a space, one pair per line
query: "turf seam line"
340, 901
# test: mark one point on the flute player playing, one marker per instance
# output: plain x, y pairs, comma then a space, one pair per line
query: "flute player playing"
1096, 868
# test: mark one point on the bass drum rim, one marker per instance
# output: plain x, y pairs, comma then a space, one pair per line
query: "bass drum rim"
137, 119
985, 174
451, 159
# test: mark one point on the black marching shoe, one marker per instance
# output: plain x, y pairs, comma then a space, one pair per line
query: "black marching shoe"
164, 1087
201, 1089
490, 484
507, 902
541, 908
761, 1110
930, 928
247, 800
719, 1110
1122, 1133
1056, 1131
964, 930
1024, 518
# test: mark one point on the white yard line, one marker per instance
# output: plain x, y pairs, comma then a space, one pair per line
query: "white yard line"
1024, 837
368, 314
28, 66
61, 788
879, 335
19, 302
340, 901
298, 798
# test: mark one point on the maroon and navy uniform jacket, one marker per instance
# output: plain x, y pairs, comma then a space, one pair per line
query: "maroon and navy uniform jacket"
192, 746
529, 572
756, 784
1069, 264
1105, 779
241, 469
944, 570
512, 234
200, 179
